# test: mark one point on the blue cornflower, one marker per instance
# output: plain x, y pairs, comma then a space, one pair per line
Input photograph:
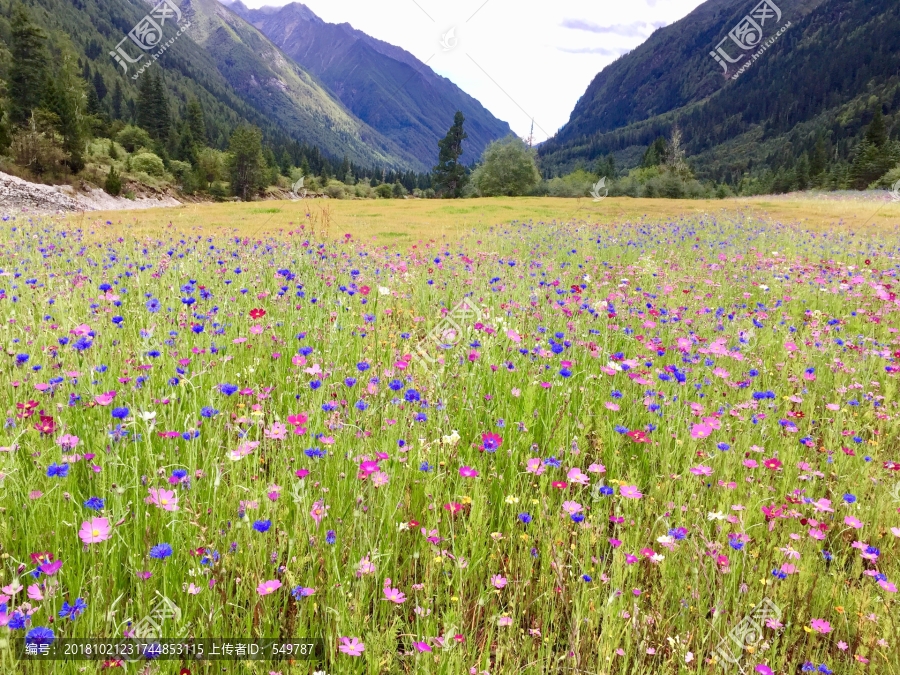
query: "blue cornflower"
228, 389
58, 470
314, 453
262, 525
39, 635
425, 466
395, 385
208, 412
153, 305
849, 498
525, 518
412, 396
723, 447
161, 551
72, 612
330, 537
94, 503
350, 381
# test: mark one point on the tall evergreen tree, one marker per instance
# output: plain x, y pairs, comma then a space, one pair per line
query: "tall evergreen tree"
99, 85
29, 67
875, 155
449, 175
117, 98
246, 163
197, 122
153, 107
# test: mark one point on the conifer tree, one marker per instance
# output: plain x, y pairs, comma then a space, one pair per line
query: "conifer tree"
449, 175
29, 67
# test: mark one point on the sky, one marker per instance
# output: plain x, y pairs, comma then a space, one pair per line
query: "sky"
522, 59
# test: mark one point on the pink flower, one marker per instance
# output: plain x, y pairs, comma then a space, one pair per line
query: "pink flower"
365, 567
467, 472
164, 499
774, 464
630, 492
105, 399
94, 530
820, 626
351, 646
67, 441
535, 465
394, 595
422, 646
504, 621
268, 587
701, 430
576, 476
852, 522
319, 511
571, 507
888, 586
498, 581
763, 669
243, 450
702, 470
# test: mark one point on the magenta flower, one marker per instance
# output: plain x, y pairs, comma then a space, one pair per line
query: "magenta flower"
268, 587
701, 430
467, 472
820, 626
394, 595
351, 646
630, 492
164, 499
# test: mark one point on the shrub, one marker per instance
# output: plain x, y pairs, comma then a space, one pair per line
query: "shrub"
384, 191
149, 164
133, 138
335, 189
113, 184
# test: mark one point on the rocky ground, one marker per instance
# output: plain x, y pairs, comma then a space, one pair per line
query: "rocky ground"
21, 196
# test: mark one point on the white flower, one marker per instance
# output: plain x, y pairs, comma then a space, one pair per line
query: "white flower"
384, 290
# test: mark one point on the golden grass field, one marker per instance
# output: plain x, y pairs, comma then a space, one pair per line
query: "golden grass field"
406, 221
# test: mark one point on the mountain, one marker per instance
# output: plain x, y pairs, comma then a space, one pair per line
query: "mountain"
817, 83
234, 71
383, 85
283, 91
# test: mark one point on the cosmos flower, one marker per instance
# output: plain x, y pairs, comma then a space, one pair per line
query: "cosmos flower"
268, 587
351, 646
94, 530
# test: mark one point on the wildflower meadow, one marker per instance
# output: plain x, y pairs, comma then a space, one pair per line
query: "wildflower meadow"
646, 446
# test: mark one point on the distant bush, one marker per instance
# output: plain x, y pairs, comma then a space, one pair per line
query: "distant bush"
113, 184
133, 138
576, 184
149, 164
336, 189
384, 191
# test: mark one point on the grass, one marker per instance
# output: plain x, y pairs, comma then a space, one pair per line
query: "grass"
640, 430
427, 219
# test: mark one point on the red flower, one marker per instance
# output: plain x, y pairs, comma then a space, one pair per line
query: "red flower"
774, 464
561, 484
257, 313
453, 507
638, 436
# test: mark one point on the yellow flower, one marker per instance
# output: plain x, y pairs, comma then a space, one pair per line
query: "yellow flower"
510, 499
466, 500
